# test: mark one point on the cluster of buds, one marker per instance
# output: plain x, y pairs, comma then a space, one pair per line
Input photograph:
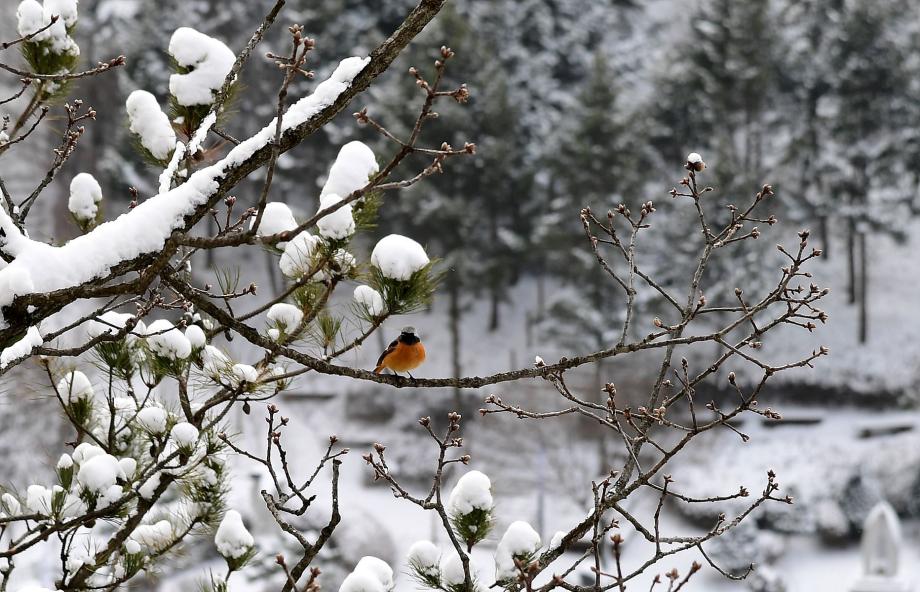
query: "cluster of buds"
695, 163
656, 414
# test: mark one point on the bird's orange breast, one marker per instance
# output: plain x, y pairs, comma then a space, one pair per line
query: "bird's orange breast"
405, 357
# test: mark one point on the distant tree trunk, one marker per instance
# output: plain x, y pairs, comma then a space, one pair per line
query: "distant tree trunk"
851, 259
494, 278
454, 315
541, 294
863, 289
824, 236
273, 275
494, 304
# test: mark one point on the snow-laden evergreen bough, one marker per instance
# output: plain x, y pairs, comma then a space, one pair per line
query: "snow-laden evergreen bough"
132, 341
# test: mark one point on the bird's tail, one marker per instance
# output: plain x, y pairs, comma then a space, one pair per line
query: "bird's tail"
378, 369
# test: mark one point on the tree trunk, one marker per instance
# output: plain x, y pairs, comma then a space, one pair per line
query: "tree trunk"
454, 315
541, 295
824, 236
273, 276
863, 289
851, 260
494, 305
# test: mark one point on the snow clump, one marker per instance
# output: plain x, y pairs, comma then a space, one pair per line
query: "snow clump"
370, 299
165, 340
472, 492
297, 255
232, 539
424, 557
284, 316
151, 125
398, 257
85, 195
209, 61
520, 542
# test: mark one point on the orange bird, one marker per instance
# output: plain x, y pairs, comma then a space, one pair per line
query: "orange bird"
404, 354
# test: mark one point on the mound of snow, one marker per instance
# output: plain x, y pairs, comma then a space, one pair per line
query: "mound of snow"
398, 257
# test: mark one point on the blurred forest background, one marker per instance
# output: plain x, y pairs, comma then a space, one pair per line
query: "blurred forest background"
584, 103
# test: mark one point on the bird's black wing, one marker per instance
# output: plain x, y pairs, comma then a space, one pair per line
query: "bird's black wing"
387, 351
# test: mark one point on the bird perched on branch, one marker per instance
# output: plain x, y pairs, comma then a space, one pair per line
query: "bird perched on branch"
404, 354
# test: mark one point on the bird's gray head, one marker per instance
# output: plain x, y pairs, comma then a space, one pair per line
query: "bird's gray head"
409, 331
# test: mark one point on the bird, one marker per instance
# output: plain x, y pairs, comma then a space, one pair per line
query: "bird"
405, 353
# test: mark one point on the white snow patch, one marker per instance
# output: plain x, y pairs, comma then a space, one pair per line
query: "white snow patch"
184, 434
244, 373
153, 536
214, 362
425, 557
232, 539
398, 257
519, 541
285, 316
165, 340
32, 17
85, 195
452, 572
196, 336
556, 540
209, 61
86, 451
370, 299
297, 255
152, 419
75, 385
22, 348
339, 224
353, 167
99, 473
66, 9
361, 581
128, 466
12, 504
277, 217
378, 568
472, 492
151, 124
